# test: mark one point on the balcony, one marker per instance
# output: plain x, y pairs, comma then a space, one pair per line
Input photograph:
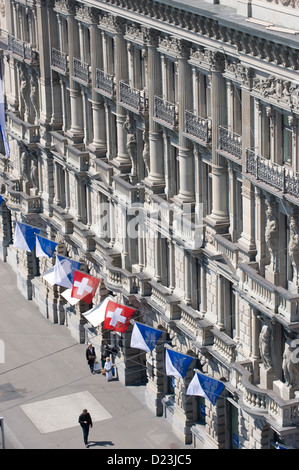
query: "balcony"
230, 143
165, 113
29, 133
279, 177
59, 61
105, 83
197, 128
81, 71
262, 401
132, 98
20, 201
21, 49
266, 297
77, 157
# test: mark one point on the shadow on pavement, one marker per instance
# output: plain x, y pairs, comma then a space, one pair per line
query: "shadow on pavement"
100, 443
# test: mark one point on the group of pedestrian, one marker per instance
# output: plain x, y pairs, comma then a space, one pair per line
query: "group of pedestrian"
107, 365
85, 420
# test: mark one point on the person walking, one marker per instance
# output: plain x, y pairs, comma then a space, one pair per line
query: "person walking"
91, 357
85, 422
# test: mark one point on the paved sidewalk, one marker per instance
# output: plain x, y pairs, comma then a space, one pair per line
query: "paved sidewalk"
45, 382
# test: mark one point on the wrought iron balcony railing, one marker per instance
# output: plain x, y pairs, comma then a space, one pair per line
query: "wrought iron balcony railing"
59, 60
132, 98
230, 142
197, 128
165, 112
105, 83
21, 48
278, 176
81, 70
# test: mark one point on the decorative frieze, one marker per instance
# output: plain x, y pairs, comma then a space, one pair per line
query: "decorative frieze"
277, 90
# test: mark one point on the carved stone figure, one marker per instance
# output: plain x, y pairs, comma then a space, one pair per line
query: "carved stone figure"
145, 153
131, 143
34, 173
34, 96
290, 365
24, 90
271, 236
24, 166
265, 346
294, 246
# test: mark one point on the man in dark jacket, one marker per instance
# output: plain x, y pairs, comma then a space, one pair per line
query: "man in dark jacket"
85, 422
91, 357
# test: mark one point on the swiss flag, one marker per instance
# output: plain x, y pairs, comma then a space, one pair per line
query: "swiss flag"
117, 316
84, 286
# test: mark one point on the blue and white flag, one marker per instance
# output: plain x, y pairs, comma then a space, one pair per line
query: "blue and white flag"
2, 121
25, 236
204, 386
278, 445
177, 364
44, 247
144, 337
1, 200
64, 271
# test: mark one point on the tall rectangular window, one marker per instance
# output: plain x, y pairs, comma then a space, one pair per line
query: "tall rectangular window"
286, 141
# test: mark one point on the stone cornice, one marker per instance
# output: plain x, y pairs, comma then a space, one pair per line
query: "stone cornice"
249, 42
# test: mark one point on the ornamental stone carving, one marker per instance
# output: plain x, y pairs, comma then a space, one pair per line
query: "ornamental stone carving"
271, 235
275, 88
174, 47
294, 246
290, 364
145, 153
242, 74
205, 58
286, 3
131, 142
265, 345
34, 97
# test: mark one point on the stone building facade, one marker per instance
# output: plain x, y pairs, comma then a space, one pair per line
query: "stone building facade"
157, 143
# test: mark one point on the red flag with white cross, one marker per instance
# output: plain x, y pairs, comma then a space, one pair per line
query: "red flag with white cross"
117, 316
84, 286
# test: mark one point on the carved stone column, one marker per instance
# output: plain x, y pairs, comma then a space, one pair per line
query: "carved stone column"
122, 161
98, 110
219, 218
45, 71
155, 179
76, 131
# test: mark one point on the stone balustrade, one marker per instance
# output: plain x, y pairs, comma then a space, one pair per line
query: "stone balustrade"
271, 299
23, 130
78, 157
284, 412
59, 142
127, 193
166, 302
223, 345
22, 201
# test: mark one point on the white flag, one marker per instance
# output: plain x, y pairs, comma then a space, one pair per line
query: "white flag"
96, 315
